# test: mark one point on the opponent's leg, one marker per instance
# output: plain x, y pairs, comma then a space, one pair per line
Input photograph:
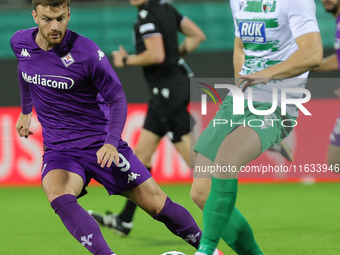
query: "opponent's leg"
157, 204
237, 233
237, 149
62, 188
333, 157
283, 149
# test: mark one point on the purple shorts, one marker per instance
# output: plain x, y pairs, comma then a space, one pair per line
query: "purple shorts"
129, 173
334, 137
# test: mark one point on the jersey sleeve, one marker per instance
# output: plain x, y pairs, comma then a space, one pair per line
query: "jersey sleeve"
179, 17
301, 16
148, 24
109, 87
25, 92
233, 10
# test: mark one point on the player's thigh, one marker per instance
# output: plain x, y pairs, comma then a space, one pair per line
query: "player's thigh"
333, 155
58, 182
238, 148
334, 145
147, 196
147, 144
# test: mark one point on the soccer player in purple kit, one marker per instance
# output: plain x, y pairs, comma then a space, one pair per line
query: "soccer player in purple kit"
331, 63
62, 73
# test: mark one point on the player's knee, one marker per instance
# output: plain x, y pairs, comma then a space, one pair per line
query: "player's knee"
53, 193
198, 197
157, 206
149, 197
52, 196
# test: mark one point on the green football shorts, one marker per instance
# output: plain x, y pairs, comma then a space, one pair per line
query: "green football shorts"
271, 129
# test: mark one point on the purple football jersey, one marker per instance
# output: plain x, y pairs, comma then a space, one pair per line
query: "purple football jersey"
63, 85
337, 39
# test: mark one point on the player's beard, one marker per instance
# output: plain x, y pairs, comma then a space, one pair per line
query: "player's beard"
54, 41
333, 8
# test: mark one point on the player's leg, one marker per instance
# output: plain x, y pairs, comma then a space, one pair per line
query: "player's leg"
237, 232
333, 157
122, 223
146, 146
283, 149
238, 148
184, 147
62, 188
149, 138
157, 204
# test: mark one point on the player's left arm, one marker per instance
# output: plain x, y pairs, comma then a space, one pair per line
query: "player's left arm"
109, 87
153, 54
305, 58
194, 36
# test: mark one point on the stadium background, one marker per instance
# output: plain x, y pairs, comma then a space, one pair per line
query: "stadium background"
109, 24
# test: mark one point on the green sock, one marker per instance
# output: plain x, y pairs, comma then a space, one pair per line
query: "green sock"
239, 235
216, 213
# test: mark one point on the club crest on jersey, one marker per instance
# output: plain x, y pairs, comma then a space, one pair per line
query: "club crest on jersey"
67, 60
143, 14
253, 31
267, 5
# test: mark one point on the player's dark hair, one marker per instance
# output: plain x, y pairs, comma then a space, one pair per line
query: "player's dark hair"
52, 3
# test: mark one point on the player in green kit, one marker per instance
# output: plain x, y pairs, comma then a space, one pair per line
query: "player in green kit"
276, 44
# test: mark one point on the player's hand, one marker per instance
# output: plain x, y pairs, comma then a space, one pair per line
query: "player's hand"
23, 125
107, 154
250, 80
337, 92
118, 56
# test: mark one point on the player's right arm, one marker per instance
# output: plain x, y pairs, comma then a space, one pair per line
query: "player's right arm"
23, 125
154, 53
328, 64
24, 120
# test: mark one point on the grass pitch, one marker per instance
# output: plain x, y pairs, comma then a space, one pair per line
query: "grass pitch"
294, 219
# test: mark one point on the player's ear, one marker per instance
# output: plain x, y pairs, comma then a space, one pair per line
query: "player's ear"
69, 14
34, 15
